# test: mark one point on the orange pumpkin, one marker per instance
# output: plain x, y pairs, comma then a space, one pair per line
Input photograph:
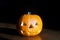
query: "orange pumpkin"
30, 25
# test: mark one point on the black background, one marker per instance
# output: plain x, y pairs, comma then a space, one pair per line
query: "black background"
10, 11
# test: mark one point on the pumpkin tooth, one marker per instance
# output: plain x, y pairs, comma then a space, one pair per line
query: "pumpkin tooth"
21, 31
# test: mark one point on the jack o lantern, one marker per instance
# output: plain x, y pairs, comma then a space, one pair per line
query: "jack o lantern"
30, 25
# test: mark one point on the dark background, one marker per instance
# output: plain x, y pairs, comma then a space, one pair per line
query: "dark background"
10, 11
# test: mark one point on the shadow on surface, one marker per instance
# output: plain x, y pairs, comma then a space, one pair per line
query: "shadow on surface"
3, 38
9, 31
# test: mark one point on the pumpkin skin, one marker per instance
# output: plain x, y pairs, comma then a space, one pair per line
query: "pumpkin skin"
30, 25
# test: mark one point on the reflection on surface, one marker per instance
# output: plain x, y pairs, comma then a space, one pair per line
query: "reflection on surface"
33, 38
8, 32
28, 38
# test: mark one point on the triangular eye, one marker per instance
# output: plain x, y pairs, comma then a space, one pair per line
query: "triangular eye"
36, 24
23, 24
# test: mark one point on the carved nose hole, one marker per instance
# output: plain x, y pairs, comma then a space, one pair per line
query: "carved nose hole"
31, 26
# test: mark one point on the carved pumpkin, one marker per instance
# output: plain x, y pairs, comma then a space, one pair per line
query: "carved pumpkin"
30, 25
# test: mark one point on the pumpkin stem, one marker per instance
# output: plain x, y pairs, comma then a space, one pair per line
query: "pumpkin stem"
29, 12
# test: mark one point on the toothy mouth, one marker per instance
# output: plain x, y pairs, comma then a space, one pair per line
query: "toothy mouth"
23, 32
27, 33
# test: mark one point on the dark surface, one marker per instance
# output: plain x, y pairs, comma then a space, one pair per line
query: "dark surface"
8, 32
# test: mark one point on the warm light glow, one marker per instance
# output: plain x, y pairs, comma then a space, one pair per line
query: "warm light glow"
31, 25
